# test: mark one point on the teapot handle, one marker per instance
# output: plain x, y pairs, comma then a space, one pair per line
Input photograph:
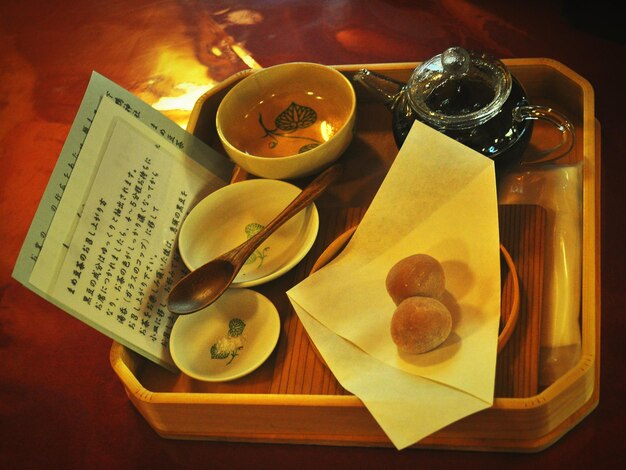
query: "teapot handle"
562, 124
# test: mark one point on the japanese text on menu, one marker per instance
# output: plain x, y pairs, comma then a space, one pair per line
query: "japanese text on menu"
122, 260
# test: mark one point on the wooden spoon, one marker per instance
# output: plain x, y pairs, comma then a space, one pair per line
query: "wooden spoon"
202, 287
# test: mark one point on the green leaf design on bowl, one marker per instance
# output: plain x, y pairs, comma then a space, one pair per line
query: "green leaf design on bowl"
295, 117
304, 148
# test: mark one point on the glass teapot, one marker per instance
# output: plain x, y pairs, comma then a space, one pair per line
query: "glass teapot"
472, 98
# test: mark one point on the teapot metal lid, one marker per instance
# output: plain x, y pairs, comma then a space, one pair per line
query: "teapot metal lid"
459, 89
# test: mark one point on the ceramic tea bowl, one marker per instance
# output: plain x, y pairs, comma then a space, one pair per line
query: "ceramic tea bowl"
287, 121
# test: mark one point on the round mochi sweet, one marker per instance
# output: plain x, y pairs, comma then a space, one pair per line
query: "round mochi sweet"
415, 275
420, 324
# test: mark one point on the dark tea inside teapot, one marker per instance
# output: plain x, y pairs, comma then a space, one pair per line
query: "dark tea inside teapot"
458, 96
472, 98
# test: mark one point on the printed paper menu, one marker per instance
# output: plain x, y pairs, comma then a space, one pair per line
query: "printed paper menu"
108, 255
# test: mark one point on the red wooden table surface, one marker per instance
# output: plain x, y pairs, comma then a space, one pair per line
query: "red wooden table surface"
61, 405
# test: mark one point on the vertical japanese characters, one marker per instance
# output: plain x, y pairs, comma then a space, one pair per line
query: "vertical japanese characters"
121, 271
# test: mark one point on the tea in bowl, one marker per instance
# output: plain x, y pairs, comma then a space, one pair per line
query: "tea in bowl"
287, 121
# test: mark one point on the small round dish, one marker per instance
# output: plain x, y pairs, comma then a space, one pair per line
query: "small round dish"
234, 213
228, 339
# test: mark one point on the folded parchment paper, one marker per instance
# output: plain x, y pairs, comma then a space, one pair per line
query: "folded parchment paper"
439, 198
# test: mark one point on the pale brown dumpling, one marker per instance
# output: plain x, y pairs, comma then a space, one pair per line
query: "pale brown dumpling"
416, 275
420, 324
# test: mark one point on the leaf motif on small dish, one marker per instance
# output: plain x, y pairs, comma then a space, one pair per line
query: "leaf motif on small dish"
259, 254
232, 343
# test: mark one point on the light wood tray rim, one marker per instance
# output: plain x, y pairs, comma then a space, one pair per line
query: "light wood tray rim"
580, 384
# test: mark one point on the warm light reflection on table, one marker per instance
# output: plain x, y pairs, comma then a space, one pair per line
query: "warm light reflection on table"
179, 78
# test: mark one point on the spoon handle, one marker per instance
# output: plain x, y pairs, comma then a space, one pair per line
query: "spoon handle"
308, 195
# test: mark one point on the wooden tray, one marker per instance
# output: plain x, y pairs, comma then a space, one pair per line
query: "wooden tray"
293, 397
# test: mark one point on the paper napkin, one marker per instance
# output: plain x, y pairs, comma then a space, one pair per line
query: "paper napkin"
438, 198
